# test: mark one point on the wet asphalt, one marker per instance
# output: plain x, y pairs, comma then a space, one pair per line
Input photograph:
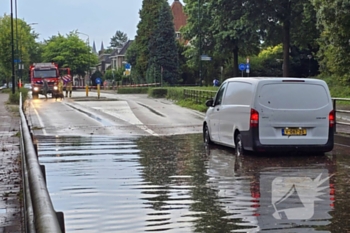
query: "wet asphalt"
176, 184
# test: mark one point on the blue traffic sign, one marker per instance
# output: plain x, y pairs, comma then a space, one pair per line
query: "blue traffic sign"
248, 66
127, 66
242, 66
98, 80
17, 60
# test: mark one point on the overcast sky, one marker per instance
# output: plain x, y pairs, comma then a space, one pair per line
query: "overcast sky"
99, 19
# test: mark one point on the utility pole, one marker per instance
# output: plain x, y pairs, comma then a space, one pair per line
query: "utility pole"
200, 44
12, 52
17, 51
90, 54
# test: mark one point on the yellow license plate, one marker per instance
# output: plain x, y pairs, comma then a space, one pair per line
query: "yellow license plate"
294, 132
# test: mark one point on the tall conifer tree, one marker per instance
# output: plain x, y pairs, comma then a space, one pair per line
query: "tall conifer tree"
148, 20
164, 60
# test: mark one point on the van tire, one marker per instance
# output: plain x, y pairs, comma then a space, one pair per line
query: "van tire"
206, 135
239, 151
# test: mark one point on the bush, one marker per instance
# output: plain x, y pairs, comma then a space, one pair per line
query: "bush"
14, 98
158, 92
133, 90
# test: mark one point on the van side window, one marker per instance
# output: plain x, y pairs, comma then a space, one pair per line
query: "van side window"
220, 94
238, 93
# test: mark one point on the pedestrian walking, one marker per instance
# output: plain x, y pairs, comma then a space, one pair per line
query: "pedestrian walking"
45, 88
59, 89
69, 87
216, 82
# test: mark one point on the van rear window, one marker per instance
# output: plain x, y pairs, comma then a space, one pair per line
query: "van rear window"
293, 96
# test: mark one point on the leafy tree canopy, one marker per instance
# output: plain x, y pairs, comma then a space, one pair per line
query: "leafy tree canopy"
25, 48
69, 51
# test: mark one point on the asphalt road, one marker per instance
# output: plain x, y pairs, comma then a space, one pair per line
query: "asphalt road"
120, 115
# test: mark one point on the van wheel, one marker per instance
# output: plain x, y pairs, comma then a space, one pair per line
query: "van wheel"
206, 136
239, 145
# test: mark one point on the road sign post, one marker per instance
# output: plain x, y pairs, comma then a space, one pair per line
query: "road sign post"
247, 67
242, 67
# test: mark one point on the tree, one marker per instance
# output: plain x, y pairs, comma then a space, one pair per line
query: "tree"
187, 75
162, 47
118, 40
197, 31
234, 34
24, 38
115, 75
131, 54
69, 51
149, 15
279, 20
334, 23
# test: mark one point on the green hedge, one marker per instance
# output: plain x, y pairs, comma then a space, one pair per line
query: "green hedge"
133, 90
175, 93
158, 92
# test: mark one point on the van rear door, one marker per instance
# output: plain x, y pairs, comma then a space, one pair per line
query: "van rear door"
293, 112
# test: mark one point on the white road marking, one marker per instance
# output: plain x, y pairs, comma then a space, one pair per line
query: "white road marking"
39, 119
122, 112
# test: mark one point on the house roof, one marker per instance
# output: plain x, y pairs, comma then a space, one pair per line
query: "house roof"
125, 47
121, 51
180, 18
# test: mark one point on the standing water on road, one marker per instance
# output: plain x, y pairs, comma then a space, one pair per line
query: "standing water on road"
175, 184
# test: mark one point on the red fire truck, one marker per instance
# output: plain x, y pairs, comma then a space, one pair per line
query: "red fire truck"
46, 71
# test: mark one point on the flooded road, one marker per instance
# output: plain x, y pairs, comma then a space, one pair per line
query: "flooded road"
175, 184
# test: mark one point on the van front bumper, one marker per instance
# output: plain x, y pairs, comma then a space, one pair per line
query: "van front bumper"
251, 142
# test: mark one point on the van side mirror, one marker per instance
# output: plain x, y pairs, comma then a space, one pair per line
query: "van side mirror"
209, 103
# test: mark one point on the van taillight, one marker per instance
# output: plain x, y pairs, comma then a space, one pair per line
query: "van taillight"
331, 119
254, 118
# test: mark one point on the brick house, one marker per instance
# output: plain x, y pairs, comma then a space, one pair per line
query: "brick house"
180, 18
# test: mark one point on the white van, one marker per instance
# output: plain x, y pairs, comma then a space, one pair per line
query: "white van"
271, 114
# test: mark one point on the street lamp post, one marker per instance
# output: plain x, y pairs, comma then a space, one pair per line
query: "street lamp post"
200, 43
88, 44
12, 51
17, 52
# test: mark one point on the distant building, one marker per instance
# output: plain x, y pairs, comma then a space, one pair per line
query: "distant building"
113, 60
118, 56
180, 18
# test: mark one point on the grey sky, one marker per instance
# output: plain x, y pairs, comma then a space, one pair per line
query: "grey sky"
99, 19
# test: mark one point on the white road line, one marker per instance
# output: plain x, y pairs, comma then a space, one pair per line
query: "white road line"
39, 119
134, 120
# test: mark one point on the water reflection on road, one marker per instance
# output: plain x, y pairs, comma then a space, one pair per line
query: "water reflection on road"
175, 184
